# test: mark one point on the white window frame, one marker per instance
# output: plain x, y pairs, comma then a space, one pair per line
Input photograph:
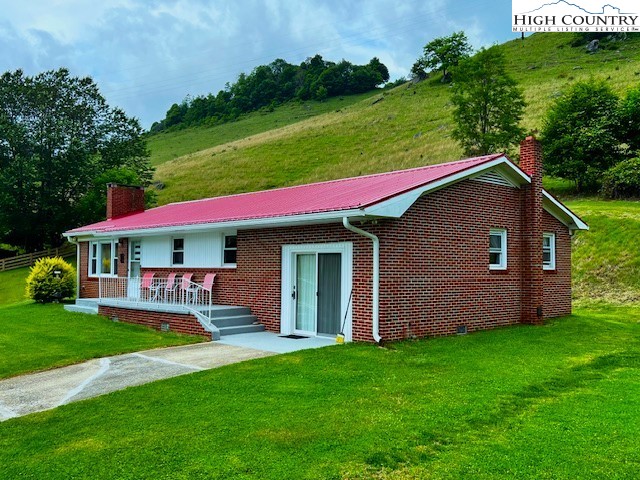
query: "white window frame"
551, 265
224, 249
503, 249
98, 258
173, 251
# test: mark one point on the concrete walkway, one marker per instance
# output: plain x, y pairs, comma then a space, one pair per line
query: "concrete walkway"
46, 390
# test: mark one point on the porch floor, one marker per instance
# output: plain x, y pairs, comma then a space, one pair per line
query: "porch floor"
273, 342
216, 310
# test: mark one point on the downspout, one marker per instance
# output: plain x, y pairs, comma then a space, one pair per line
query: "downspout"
376, 275
75, 242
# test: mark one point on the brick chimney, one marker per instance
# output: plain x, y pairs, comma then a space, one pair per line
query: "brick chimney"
124, 200
532, 272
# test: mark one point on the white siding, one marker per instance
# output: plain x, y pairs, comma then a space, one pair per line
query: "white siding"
155, 252
201, 250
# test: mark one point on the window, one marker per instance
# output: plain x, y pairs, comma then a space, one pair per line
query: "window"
103, 258
93, 258
498, 249
177, 252
549, 251
230, 252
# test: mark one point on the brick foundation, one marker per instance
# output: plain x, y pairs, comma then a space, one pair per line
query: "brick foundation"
178, 323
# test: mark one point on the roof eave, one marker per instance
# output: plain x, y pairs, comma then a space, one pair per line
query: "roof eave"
267, 222
396, 206
562, 213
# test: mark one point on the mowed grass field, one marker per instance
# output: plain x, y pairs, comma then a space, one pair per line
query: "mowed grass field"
36, 337
558, 401
39, 337
401, 128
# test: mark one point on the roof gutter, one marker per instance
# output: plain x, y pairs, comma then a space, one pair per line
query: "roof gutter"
376, 275
75, 242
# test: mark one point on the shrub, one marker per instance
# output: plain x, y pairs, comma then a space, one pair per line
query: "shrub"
581, 133
44, 285
622, 180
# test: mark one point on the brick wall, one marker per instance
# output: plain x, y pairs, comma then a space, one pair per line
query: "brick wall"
178, 323
124, 200
88, 285
435, 263
557, 283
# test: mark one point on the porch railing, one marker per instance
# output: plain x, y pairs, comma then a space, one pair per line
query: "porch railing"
181, 292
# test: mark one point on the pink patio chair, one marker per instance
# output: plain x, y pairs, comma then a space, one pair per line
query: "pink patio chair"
187, 290
207, 286
170, 287
146, 285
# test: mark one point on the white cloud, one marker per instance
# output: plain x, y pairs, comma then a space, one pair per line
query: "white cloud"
147, 54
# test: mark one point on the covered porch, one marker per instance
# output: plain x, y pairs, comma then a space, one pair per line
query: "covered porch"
170, 303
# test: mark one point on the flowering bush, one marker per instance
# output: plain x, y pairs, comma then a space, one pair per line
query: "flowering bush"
50, 279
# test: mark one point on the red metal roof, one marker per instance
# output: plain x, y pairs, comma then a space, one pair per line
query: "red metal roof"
335, 195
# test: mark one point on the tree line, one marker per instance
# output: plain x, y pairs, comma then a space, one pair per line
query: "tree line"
590, 135
273, 84
60, 143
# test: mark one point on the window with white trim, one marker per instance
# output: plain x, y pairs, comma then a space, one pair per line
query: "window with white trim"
177, 251
497, 249
549, 251
230, 249
103, 258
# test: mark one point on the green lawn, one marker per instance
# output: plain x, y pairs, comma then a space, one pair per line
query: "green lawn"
558, 401
38, 337
12, 285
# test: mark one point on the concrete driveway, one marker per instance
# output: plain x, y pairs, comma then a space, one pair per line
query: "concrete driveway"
45, 390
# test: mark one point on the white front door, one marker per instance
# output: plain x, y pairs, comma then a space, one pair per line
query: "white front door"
316, 287
305, 296
133, 287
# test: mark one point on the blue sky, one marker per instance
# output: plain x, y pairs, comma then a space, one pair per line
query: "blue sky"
148, 54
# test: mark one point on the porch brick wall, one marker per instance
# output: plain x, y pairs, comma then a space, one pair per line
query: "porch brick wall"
178, 323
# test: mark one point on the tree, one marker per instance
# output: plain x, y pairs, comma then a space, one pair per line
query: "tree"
93, 203
381, 68
57, 134
446, 52
488, 104
418, 70
630, 120
581, 133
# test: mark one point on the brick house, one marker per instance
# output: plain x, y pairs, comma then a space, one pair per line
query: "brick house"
435, 250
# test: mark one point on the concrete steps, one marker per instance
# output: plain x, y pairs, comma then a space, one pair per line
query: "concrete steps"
84, 305
234, 324
224, 331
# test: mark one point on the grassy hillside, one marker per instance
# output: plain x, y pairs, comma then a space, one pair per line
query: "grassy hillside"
166, 146
405, 127
606, 259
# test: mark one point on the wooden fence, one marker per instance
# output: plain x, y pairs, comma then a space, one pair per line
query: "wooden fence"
29, 259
